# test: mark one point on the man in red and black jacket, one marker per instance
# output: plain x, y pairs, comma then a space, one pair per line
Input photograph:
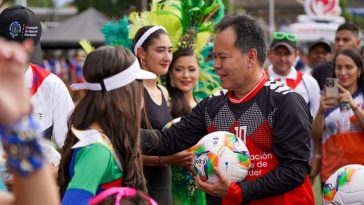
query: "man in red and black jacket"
269, 117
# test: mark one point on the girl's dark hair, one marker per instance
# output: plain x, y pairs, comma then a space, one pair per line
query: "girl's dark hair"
112, 111
179, 104
356, 57
147, 41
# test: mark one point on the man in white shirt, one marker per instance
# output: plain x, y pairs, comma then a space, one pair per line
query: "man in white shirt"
51, 100
282, 54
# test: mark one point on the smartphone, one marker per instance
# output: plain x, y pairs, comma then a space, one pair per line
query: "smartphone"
331, 88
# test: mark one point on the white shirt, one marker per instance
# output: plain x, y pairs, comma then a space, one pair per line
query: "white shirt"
308, 87
307, 70
51, 102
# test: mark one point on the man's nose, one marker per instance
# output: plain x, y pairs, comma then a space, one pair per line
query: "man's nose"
340, 43
217, 64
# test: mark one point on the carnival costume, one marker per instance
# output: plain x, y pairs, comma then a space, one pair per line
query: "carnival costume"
188, 23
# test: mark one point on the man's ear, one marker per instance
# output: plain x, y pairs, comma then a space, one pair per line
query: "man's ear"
358, 43
252, 57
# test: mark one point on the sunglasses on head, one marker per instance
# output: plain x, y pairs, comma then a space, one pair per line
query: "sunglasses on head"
282, 35
120, 192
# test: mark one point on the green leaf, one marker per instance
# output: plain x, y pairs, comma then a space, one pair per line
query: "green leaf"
194, 9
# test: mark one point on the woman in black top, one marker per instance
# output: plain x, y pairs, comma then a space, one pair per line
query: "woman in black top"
153, 48
181, 80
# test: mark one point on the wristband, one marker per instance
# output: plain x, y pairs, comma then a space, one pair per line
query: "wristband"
24, 153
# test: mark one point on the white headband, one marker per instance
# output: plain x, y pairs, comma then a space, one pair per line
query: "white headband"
118, 80
141, 40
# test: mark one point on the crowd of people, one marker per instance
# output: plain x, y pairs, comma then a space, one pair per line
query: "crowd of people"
112, 146
67, 66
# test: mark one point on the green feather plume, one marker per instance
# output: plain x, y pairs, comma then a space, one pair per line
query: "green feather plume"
209, 81
166, 17
201, 16
179, 17
116, 33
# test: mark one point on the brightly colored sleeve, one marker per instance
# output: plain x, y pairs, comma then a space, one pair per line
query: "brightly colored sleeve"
90, 166
81, 196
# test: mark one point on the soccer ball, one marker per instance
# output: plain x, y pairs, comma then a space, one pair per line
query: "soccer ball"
224, 151
345, 186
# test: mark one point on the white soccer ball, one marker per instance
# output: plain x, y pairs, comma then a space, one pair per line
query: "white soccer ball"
224, 151
345, 186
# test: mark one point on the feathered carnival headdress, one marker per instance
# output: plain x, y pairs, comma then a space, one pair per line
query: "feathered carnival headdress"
189, 25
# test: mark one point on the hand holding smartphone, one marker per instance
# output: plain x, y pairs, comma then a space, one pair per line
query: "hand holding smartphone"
331, 88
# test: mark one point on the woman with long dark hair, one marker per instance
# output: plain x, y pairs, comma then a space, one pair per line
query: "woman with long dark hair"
153, 48
181, 80
338, 128
102, 148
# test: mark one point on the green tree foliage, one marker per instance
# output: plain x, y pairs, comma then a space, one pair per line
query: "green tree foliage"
40, 3
115, 8
358, 20
31, 3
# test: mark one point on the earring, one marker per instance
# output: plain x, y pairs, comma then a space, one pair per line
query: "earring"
172, 83
142, 63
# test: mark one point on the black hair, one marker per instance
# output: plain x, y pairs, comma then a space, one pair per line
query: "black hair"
248, 34
354, 29
356, 57
179, 104
148, 40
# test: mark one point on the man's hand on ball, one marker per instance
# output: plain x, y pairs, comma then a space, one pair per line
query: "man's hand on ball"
219, 188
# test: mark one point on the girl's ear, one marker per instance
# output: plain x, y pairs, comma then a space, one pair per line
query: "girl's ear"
141, 53
141, 56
